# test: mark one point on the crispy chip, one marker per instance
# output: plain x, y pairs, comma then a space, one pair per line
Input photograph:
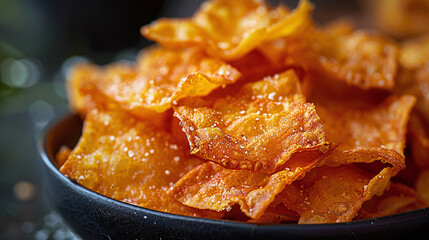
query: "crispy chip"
359, 58
163, 76
258, 129
363, 59
62, 155
253, 67
422, 185
363, 136
397, 199
414, 74
84, 95
230, 29
129, 160
414, 53
419, 141
414, 79
276, 213
210, 186
400, 18
369, 134
333, 194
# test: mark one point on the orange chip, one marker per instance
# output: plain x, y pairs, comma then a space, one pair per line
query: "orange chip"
414, 79
253, 67
230, 29
422, 185
333, 194
84, 95
127, 159
257, 129
62, 155
276, 213
177, 133
400, 18
210, 186
363, 136
414, 74
414, 53
366, 135
363, 59
163, 76
359, 58
397, 199
419, 141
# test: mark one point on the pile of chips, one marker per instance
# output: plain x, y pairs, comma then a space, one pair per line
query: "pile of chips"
254, 113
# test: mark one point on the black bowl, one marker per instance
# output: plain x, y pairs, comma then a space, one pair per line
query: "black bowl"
94, 216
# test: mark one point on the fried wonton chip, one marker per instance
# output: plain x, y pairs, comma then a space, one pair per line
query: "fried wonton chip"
211, 186
359, 58
258, 129
422, 185
419, 140
370, 136
162, 76
84, 95
397, 199
276, 213
400, 18
333, 194
414, 79
414, 74
62, 155
127, 159
366, 135
253, 67
230, 29
414, 53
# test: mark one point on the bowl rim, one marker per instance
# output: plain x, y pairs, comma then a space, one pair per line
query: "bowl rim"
357, 225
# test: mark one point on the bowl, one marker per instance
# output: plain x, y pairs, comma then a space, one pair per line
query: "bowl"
94, 216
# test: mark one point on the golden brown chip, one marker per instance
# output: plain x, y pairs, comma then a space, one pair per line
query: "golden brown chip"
84, 95
276, 213
366, 135
422, 184
253, 67
418, 134
414, 53
163, 76
397, 199
257, 129
62, 155
414, 73
177, 133
333, 194
359, 58
127, 159
230, 29
400, 18
210, 186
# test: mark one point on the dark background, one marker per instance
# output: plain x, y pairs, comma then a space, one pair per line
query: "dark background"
39, 41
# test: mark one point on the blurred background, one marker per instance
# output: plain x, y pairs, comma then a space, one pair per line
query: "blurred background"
39, 41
